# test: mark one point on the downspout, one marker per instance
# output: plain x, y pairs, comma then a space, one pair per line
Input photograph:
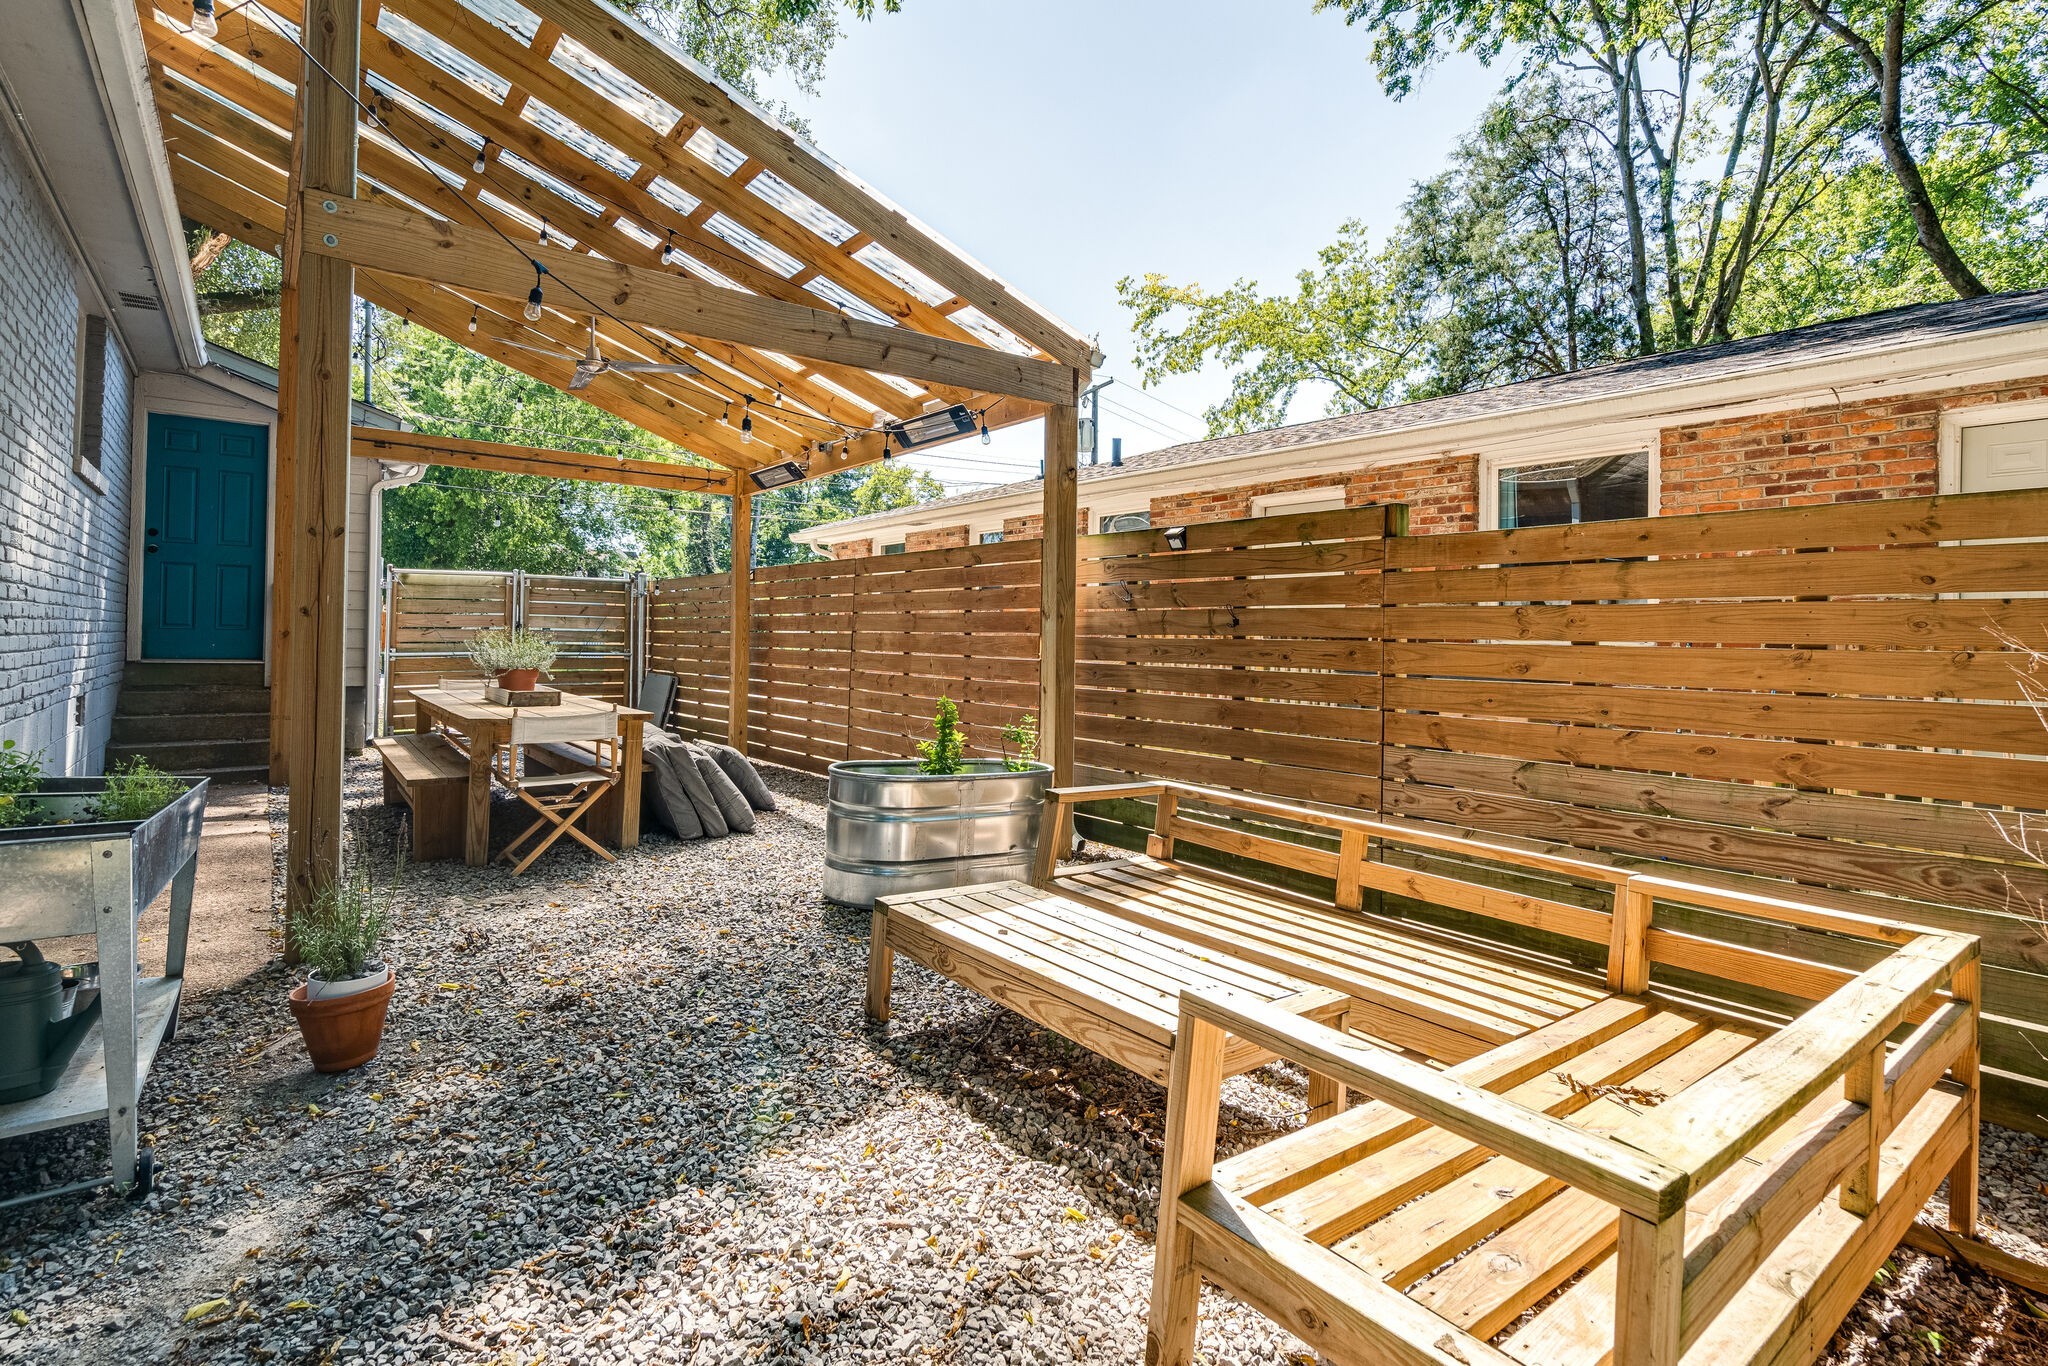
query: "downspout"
396, 476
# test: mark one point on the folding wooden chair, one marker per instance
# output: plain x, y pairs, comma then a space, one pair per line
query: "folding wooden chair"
561, 799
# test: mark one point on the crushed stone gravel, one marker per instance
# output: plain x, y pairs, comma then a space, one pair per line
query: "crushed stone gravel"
632, 1113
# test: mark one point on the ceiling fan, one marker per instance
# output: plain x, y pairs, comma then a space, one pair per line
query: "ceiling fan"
593, 362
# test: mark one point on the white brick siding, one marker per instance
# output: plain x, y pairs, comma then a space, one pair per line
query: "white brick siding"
63, 546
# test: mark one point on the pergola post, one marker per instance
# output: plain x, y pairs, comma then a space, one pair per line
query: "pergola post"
742, 613
282, 541
323, 308
1056, 589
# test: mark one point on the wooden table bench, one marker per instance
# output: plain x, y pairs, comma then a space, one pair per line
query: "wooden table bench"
1110, 986
425, 773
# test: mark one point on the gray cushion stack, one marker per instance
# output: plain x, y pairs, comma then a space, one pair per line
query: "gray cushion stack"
702, 789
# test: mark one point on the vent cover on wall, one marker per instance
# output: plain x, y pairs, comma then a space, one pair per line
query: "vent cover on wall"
144, 301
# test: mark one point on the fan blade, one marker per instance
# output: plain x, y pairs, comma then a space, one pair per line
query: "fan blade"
648, 367
537, 350
586, 372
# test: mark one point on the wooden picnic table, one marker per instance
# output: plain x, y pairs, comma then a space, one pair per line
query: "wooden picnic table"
488, 727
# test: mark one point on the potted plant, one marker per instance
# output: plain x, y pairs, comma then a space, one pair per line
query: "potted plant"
340, 1007
515, 657
944, 820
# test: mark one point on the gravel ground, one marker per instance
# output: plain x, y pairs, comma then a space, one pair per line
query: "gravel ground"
632, 1113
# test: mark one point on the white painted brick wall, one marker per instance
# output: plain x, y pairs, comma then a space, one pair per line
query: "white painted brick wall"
63, 545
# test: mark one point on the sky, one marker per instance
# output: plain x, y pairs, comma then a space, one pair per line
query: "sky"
1066, 144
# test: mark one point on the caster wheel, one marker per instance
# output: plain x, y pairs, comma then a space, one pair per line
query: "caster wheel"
145, 1175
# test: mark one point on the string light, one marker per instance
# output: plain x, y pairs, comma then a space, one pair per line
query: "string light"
203, 23
669, 255
747, 420
725, 418
543, 232
984, 427
778, 394
480, 165
533, 298
472, 320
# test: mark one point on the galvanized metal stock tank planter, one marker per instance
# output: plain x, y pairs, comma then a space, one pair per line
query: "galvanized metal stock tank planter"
890, 829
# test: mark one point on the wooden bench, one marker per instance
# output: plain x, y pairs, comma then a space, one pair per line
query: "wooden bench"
1111, 986
427, 774
1584, 1170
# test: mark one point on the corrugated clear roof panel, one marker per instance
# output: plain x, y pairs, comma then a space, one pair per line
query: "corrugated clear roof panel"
561, 187
799, 207
574, 135
789, 363
846, 301
767, 253
708, 146
517, 20
669, 193
992, 332
824, 382
518, 212
454, 61
694, 263
614, 84
913, 281
636, 232
899, 384
425, 112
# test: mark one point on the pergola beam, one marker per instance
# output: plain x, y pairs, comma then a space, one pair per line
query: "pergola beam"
378, 443
325, 303
399, 241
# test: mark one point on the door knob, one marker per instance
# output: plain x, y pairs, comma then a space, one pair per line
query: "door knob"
149, 550
149, 531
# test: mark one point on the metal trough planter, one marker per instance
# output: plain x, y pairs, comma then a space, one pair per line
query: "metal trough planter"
97, 877
892, 829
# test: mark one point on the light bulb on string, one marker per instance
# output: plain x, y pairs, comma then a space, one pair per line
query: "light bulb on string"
747, 421
472, 322
532, 309
669, 254
984, 429
480, 165
204, 24
543, 232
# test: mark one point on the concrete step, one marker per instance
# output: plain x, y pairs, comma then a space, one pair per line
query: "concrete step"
215, 723
181, 700
204, 674
195, 756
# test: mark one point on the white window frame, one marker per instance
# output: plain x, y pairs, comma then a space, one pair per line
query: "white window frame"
1948, 477
1300, 500
1099, 516
1490, 467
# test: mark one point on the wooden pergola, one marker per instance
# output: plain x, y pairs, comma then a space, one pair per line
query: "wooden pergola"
535, 179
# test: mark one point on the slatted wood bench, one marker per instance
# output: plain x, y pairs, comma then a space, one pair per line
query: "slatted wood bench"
427, 774
1626, 1179
1109, 985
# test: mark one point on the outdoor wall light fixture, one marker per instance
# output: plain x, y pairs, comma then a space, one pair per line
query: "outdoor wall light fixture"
203, 22
930, 428
775, 476
1176, 538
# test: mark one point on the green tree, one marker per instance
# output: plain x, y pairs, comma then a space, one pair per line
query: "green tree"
742, 41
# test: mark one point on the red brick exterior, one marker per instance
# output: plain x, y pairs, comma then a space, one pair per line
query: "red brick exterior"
1835, 452
944, 538
853, 550
1033, 527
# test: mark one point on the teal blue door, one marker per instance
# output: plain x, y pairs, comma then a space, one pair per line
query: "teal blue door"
203, 543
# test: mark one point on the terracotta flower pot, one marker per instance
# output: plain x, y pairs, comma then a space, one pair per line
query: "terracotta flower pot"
518, 680
342, 1032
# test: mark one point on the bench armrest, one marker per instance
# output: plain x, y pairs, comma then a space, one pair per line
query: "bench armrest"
1624, 1176
1102, 792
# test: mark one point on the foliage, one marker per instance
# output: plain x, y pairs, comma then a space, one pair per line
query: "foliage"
744, 40
497, 648
135, 791
20, 770
338, 934
240, 274
1023, 733
946, 752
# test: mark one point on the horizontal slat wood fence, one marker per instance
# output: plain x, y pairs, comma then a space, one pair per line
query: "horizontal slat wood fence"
1827, 695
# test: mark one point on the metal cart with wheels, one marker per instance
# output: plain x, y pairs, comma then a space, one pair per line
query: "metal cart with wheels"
97, 879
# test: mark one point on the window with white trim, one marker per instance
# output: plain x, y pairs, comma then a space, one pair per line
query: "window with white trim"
1298, 500
991, 538
1126, 521
1601, 488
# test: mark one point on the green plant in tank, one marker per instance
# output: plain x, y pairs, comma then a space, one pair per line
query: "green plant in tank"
337, 936
21, 771
136, 791
1022, 733
946, 751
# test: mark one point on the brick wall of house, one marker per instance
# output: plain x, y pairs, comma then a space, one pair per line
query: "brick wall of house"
1033, 527
853, 550
64, 546
1885, 448
1442, 494
943, 538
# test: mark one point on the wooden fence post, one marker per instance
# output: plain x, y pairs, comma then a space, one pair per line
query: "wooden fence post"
1057, 587
742, 641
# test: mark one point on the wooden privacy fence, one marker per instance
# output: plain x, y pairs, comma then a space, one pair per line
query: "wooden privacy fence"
1828, 694
430, 614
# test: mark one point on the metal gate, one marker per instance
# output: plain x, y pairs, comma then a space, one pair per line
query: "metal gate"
599, 626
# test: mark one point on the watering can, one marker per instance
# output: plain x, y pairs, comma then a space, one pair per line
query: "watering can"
37, 1036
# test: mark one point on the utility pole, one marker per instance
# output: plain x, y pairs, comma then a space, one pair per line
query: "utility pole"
1092, 429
